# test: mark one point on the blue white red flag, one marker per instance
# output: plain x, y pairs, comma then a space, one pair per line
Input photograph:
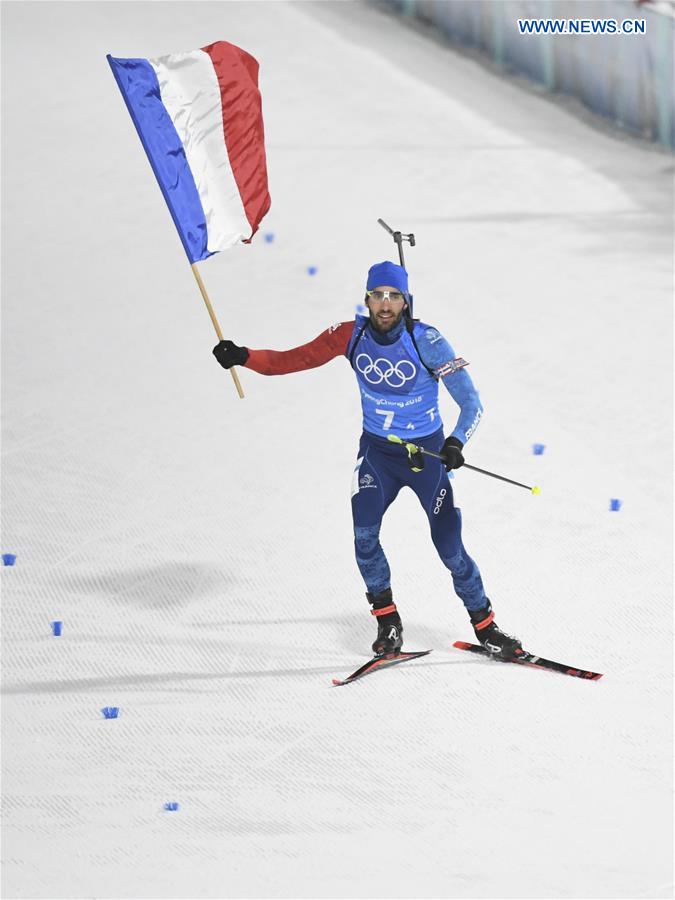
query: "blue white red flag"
199, 117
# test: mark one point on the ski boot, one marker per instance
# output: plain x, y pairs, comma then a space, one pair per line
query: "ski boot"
495, 641
389, 638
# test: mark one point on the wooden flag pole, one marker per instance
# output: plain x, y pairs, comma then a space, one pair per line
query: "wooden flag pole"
202, 288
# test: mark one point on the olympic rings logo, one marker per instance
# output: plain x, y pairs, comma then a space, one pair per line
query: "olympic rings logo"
379, 370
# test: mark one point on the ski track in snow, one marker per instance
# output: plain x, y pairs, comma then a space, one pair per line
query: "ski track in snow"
198, 548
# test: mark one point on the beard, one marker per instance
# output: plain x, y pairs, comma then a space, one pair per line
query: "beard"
387, 324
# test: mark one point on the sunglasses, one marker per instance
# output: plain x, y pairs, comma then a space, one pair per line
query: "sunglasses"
381, 296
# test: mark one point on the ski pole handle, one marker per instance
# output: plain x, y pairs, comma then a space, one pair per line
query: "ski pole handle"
414, 448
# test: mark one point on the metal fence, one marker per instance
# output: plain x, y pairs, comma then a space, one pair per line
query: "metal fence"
627, 78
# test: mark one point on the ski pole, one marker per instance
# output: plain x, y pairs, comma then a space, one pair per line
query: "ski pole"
414, 448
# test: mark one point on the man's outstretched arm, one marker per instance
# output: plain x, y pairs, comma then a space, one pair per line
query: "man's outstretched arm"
330, 343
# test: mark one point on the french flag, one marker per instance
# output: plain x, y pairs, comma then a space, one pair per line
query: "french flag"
199, 117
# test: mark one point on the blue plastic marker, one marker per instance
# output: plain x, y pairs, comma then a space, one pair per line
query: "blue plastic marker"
171, 807
614, 505
110, 712
311, 270
8, 559
56, 628
538, 449
269, 237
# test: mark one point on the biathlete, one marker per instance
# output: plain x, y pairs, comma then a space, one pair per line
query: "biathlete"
398, 362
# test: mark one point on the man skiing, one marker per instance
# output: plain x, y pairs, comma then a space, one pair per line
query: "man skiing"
398, 362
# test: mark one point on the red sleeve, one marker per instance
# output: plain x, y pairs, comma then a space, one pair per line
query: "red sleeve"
330, 343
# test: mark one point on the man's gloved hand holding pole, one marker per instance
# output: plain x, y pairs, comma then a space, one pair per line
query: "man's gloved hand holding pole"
451, 453
228, 354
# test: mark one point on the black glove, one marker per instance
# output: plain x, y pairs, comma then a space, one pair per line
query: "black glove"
228, 354
451, 451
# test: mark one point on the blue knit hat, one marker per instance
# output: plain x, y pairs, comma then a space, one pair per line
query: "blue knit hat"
387, 273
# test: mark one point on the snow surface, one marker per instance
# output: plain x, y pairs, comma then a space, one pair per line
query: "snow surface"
198, 547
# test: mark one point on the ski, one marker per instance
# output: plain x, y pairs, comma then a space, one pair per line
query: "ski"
529, 659
380, 662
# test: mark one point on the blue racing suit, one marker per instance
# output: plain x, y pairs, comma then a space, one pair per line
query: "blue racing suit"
398, 375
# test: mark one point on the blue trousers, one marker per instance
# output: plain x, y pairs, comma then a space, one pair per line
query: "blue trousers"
381, 471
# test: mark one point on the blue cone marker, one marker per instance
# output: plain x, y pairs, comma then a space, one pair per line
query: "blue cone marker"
311, 270
614, 505
171, 807
56, 628
269, 237
8, 559
538, 449
110, 712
